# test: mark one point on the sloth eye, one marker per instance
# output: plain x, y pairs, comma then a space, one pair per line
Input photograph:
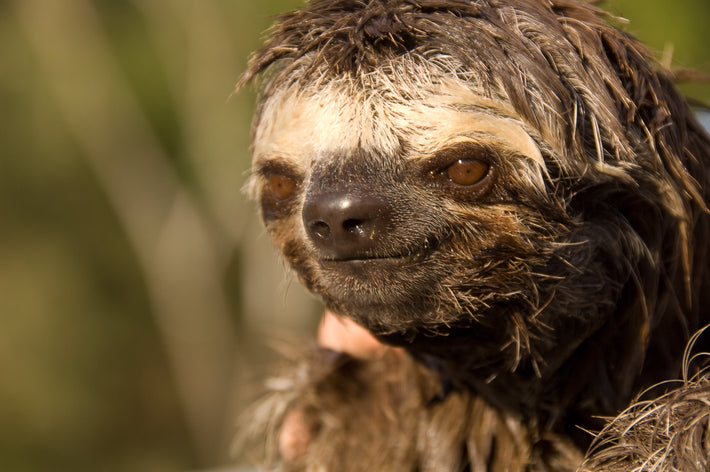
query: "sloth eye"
467, 171
281, 186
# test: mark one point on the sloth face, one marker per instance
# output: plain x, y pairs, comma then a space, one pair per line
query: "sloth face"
420, 216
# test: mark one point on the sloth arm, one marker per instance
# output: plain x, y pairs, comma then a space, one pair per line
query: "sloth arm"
338, 334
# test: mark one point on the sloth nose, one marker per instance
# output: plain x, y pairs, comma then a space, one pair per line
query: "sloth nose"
346, 225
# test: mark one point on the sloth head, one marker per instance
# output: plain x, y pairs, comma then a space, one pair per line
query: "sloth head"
495, 181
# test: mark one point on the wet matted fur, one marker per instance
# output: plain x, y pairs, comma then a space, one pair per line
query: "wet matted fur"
559, 277
666, 429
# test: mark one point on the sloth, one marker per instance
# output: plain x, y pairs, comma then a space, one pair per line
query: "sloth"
511, 195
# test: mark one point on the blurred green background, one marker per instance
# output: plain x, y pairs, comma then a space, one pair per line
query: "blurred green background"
138, 293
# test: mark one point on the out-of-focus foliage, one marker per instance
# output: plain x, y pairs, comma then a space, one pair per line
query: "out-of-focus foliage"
137, 289
677, 32
129, 258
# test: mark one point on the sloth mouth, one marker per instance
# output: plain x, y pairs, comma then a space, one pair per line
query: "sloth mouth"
396, 258
376, 259
370, 283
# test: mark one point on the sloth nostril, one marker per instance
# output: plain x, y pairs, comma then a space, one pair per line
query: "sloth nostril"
320, 229
354, 226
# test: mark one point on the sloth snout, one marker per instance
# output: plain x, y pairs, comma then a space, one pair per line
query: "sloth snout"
345, 226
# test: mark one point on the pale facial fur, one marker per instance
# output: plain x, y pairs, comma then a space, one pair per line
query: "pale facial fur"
298, 129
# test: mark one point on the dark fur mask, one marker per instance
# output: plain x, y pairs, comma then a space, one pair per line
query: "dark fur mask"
508, 189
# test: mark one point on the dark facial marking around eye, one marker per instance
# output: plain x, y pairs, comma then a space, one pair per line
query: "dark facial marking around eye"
280, 185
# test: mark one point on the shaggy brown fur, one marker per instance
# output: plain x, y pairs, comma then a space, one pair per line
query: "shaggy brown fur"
670, 432
562, 280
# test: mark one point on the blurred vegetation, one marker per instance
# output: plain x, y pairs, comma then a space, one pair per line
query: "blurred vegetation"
137, 290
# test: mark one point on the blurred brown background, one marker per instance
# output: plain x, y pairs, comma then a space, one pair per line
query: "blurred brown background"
138, 293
